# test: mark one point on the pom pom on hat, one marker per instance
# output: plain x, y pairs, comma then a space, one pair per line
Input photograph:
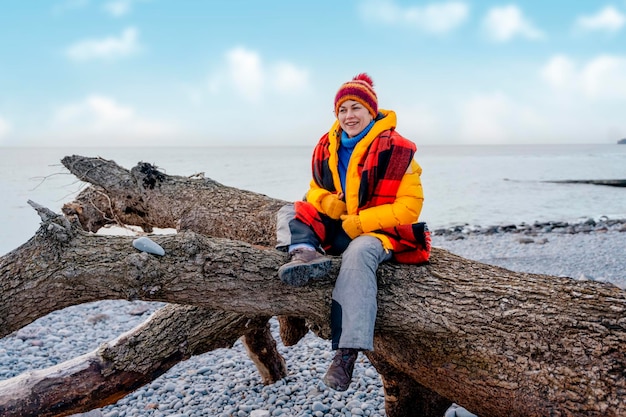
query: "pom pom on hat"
364, 77
361, 89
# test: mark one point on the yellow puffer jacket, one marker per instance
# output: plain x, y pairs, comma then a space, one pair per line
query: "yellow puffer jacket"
409, 198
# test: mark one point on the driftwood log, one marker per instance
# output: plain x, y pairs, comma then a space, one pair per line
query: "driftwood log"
492, 340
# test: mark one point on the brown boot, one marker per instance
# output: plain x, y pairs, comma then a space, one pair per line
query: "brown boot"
305, 264
339, 373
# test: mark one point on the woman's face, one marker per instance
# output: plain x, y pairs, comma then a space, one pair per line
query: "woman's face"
353, 117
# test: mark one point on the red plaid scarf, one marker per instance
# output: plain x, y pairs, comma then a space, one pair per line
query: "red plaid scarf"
381, 171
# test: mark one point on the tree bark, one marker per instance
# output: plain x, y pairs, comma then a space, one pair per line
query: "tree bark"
494, 341
404, 396
148, 198
261, 348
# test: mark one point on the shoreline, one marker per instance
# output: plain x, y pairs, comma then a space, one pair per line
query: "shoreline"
588, 225
579, 251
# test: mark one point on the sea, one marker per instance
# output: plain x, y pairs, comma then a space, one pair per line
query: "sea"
463, 184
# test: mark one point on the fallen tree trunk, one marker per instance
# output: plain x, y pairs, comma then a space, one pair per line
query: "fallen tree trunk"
99, 378
102, 377
494, 341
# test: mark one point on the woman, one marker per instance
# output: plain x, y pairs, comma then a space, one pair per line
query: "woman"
363, 202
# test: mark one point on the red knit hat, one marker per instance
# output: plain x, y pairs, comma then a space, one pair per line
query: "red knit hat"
360, 89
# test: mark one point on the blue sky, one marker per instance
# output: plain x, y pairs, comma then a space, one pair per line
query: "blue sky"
237, 72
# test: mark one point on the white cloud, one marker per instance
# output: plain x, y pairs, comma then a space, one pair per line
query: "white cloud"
115, 8
246, 72
608, 19
68, 5
289, 79
252, 79
107, 48
5, 127
504, 23
605, 76
101, 116
495, 118
560, 71
118, 8
602, 77
437, 18
419, 122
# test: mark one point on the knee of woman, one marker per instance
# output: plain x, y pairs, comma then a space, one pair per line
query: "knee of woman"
283, 234
364, 248
286, 212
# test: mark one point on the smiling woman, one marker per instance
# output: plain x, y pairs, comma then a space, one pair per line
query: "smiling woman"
363, 202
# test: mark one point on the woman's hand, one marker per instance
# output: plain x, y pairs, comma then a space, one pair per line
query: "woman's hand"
333, 207
351, 224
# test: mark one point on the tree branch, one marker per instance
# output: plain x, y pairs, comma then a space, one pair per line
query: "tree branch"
119, 367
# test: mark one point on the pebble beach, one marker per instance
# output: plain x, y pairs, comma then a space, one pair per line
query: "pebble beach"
224, 382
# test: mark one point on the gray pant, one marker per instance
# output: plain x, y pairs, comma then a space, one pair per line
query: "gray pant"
353, 311
354, 306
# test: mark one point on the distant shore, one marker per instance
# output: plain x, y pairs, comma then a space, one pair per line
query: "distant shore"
589, 225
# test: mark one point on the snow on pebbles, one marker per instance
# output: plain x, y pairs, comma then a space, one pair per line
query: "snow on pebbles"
225, 382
